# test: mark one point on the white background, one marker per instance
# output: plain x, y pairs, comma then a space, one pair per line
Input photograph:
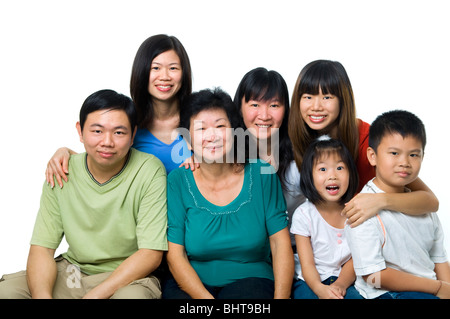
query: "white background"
55, 53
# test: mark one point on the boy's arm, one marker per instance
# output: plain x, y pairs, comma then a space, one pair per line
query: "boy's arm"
396, 280
442, 271
41, 272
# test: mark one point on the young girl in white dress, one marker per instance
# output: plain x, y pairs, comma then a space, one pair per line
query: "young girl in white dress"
329, 179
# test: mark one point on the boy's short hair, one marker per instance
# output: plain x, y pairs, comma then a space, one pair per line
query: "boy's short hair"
108, 100
397, 121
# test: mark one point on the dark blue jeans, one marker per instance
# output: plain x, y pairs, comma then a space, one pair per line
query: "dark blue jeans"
406, 295
301, 290
247, 288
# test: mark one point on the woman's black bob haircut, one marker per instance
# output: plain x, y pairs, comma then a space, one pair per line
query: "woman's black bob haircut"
324, 147
208, 99
211, 99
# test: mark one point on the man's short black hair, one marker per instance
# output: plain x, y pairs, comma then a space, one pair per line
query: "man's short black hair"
108, 100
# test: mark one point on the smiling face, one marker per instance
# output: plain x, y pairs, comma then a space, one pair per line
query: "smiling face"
398, 160
211, 135
262, 118
331, 177
320, 111
165, 76
107, 137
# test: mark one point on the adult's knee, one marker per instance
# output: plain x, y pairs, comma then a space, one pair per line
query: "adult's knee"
145, 288
14, 286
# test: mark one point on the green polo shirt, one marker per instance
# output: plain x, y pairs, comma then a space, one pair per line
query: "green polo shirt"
105, 223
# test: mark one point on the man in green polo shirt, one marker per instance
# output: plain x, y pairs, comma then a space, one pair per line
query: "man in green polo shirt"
113, 213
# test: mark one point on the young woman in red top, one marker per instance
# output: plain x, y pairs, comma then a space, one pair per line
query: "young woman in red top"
323, 104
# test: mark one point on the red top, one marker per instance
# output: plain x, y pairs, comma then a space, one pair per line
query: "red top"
365, 170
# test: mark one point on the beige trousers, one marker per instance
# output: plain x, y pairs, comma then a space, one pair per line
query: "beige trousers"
73, 284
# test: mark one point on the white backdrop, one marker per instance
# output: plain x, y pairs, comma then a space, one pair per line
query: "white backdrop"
54, 54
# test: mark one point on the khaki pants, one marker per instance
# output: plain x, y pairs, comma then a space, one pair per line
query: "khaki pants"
72, 284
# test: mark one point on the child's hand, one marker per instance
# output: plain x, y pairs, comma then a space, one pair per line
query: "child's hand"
341, 290
362, 207
330, 292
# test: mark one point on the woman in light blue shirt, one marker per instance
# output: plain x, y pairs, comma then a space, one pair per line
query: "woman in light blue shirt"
161, 81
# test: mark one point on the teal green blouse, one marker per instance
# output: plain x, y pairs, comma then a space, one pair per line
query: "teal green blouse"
227, 243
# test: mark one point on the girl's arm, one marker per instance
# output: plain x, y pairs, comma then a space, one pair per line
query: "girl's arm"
421, 200
184, 274
309, 271
346, 277
283, 263
58, 166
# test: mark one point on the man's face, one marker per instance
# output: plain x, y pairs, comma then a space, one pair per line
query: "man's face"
107, 137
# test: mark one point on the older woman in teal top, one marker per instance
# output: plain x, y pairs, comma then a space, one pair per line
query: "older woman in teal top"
227, 232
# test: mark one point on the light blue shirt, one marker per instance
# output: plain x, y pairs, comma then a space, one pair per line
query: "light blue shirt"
171, 155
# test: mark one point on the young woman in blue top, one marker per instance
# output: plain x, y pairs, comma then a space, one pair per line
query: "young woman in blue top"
160, 84
227, 233
161, 81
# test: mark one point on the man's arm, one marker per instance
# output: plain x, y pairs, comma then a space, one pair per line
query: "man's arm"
138, 265
41, 272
